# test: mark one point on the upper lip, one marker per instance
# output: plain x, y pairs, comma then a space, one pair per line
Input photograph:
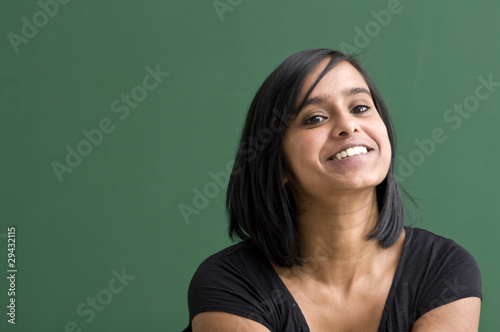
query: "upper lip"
350, 145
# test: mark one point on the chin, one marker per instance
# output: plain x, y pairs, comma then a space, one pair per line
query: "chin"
361, 184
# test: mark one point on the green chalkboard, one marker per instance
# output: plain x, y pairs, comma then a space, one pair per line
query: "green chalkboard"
119, 120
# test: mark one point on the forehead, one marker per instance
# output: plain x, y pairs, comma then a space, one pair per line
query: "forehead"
341, 77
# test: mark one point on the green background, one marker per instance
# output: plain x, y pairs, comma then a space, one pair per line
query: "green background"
119, 208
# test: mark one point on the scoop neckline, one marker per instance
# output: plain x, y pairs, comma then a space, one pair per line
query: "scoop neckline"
390, 295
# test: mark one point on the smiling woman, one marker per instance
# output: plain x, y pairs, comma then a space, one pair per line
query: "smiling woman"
321, 217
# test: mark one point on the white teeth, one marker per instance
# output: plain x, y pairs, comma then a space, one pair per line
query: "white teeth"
351, 152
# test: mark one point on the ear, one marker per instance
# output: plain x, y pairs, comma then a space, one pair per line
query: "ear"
286, 173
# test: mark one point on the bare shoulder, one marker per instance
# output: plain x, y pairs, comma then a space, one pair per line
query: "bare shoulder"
217, 321
458, 316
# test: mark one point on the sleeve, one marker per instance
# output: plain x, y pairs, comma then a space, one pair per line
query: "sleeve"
454, 275
220, 285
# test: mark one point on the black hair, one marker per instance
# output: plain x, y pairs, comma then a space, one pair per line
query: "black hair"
260, 206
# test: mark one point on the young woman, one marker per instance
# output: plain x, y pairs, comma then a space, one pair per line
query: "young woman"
313, 195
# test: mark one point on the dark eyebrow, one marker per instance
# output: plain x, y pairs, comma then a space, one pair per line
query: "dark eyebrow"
346, 93
354, 91
312, 101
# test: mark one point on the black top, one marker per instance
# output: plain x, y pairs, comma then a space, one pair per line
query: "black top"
432, 271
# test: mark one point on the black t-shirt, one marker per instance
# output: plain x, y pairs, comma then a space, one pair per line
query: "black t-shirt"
432, 271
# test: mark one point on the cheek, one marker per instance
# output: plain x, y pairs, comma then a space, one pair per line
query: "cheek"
381, 137
385, 143
385, 148
290, 154
302, 151
295, 156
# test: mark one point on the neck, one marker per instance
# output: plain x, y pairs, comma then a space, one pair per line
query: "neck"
334, 238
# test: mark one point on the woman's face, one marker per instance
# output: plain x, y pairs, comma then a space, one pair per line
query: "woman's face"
338, 142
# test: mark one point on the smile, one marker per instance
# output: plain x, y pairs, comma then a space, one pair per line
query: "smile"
355, 150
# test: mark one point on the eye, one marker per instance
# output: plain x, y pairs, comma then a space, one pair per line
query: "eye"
315, 119
360, 109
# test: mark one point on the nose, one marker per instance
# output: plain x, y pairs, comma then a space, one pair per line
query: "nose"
345, 124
